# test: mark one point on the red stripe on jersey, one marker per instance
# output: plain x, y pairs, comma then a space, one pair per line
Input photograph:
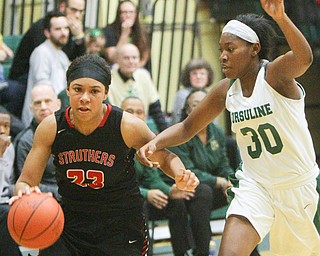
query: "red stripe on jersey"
109, 108
68, 117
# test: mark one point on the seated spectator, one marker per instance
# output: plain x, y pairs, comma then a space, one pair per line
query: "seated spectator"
16, 125
5, 50
44, 102
197, 74
163, 200
7, 245
130, 80
206, 155
11, 99
95, 41
48, 63
6, 156
127, 29
75, 46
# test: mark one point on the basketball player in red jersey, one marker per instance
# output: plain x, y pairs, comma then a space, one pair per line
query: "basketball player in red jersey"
93, 146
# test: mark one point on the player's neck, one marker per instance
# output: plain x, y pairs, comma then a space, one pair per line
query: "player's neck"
86, 127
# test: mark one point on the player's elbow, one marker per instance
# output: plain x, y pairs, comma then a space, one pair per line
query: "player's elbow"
307, 60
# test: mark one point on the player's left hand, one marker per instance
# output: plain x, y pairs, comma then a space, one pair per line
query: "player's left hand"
274, 8
186, 180
27, 191
145, 152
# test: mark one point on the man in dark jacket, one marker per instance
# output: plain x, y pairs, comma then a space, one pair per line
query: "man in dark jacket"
44, 102
74, 10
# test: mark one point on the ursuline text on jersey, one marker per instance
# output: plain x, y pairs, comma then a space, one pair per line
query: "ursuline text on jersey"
251, 113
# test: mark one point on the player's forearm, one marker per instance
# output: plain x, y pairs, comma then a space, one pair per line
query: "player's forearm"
173, 136
171, 165
297, 42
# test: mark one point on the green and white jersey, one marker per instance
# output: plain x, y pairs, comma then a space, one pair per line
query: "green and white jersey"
272, 133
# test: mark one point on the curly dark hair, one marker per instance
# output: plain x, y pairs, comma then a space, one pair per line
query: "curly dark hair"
265, 31
184, 112
192, 65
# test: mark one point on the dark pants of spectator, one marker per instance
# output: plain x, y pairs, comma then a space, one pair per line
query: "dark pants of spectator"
7, 245
199, 209
180, 231
189, 221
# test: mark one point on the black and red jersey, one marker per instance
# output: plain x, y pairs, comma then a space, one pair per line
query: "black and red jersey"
95, 170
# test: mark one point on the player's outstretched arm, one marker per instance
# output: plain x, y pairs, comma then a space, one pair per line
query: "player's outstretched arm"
172, 166
296, 61
136, 134
181, 132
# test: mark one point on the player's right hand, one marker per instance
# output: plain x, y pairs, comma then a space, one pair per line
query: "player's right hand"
186, 180
26, 191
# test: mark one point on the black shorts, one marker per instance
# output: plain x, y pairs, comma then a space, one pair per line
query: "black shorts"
98, 234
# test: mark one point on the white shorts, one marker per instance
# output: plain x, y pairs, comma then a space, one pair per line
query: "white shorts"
286, 213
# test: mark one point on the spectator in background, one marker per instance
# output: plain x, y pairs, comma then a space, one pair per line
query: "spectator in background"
7, 245
166, 201
95, 42
196, 74
205, 154
10, 98
44, 102
5, 50
75, 46
48, 63
16, 125
6, 156
126, 29
130, 80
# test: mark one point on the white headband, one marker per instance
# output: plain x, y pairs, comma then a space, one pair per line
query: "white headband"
241, 30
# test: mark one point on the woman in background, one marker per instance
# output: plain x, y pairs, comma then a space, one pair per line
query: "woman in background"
197, 74
126, 29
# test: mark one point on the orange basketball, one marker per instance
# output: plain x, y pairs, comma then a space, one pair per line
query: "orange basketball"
35, 221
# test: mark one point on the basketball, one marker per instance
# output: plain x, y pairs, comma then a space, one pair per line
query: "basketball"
35, 221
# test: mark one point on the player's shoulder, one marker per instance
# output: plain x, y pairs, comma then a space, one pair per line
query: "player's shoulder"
130, 120
46, 130
221, 87
135, 131
49, 123
131, 124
